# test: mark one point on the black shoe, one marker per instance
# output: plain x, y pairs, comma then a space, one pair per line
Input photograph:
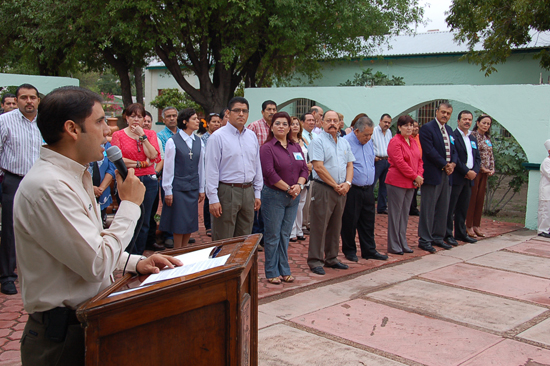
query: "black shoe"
293, 240
408, 250
8, 288
378, 256
451, 240
318, 270
260, 247
337, 265
385, 212
192, 240
545, 235
300, 238
352, 258
414, 213
442, 244
468, 239
155, 247
427, 247
397, 253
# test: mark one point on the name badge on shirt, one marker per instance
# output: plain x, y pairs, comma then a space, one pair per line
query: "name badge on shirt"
474, 145
452, 140
298, 156
488, 143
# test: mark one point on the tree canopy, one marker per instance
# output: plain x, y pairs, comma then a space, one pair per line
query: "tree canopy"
225, 43
500, 26
367, 78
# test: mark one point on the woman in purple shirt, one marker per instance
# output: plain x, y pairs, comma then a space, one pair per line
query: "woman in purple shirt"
285, 172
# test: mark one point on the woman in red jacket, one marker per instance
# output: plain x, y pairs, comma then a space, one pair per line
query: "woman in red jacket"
404, 175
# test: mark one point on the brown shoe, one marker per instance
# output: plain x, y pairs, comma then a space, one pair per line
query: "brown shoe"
470, 232
478, 232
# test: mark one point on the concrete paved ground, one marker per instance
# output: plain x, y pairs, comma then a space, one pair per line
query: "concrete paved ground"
477, 304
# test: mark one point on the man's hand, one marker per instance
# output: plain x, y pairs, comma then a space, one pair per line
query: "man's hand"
449, 168
257, 204
201, 197
216, 209
156, 262
130, 189
471, 175
342, 189
168, 200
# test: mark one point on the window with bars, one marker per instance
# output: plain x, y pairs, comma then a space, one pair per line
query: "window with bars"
303, 105
426, 113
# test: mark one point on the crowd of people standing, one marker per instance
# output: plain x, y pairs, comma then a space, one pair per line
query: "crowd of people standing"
283, 176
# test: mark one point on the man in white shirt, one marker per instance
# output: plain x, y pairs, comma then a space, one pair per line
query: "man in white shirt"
57, 219
20, 143
317, 113
381, 137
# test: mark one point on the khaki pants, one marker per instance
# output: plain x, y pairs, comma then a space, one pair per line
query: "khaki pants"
237, 216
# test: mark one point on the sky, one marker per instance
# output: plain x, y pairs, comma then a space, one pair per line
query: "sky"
434, 12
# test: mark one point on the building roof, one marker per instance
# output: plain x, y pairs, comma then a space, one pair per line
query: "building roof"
433, 43
429, 43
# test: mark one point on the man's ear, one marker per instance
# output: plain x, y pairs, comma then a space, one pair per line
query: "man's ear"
72, 129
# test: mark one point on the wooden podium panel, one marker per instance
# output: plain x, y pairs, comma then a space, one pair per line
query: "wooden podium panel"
208, 318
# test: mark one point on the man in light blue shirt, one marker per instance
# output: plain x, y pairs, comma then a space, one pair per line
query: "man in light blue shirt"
333, 172
233, 174
381, 137
358, 216
308, 122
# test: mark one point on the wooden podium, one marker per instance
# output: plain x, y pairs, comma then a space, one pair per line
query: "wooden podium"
208, 318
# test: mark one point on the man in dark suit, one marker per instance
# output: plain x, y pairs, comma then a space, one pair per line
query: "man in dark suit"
439, 157
467, 167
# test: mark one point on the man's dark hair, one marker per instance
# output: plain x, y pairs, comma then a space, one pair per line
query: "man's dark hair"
385, 115
465, 112
183, 117
147, 113
26, 86
444, 104
62, 104
235, 100
303, 116
222, 113
7, 95
266, 103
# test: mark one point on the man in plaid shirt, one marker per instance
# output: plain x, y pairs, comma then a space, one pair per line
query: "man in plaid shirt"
261, 127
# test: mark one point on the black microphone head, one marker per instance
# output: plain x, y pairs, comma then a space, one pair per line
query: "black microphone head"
114, 153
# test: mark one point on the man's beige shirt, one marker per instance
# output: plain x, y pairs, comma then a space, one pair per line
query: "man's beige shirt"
64, 256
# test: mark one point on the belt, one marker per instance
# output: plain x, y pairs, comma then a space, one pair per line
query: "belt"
323, 183
382, 157
43, 317
238, 185
364, 188
6, 172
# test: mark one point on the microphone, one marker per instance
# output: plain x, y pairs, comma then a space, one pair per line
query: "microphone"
115, 156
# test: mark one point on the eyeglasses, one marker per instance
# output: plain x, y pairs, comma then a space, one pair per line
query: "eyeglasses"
239, 111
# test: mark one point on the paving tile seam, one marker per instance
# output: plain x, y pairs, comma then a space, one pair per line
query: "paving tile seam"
481, 351
333, 281
347, 342
423, 312
504, 269
529, 324
508, 250
482, 292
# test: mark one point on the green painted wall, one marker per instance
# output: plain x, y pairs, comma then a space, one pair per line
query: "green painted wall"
44, 84
437, 70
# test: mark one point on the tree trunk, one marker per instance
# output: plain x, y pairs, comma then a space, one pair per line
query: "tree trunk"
123, 71
139, 84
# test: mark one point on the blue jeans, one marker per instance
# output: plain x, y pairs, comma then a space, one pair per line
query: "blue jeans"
151, 190
278, 213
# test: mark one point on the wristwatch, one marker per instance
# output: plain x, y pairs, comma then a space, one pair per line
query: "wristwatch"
348, 182
143, 138
301, 186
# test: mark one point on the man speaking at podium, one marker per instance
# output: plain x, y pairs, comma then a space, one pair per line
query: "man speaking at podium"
64, 255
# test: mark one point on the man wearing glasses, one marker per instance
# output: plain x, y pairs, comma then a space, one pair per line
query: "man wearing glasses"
233, 174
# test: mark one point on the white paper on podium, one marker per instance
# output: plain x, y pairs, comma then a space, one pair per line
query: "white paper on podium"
192, 264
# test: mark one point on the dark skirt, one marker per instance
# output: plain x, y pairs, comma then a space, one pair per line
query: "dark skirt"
183, 216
